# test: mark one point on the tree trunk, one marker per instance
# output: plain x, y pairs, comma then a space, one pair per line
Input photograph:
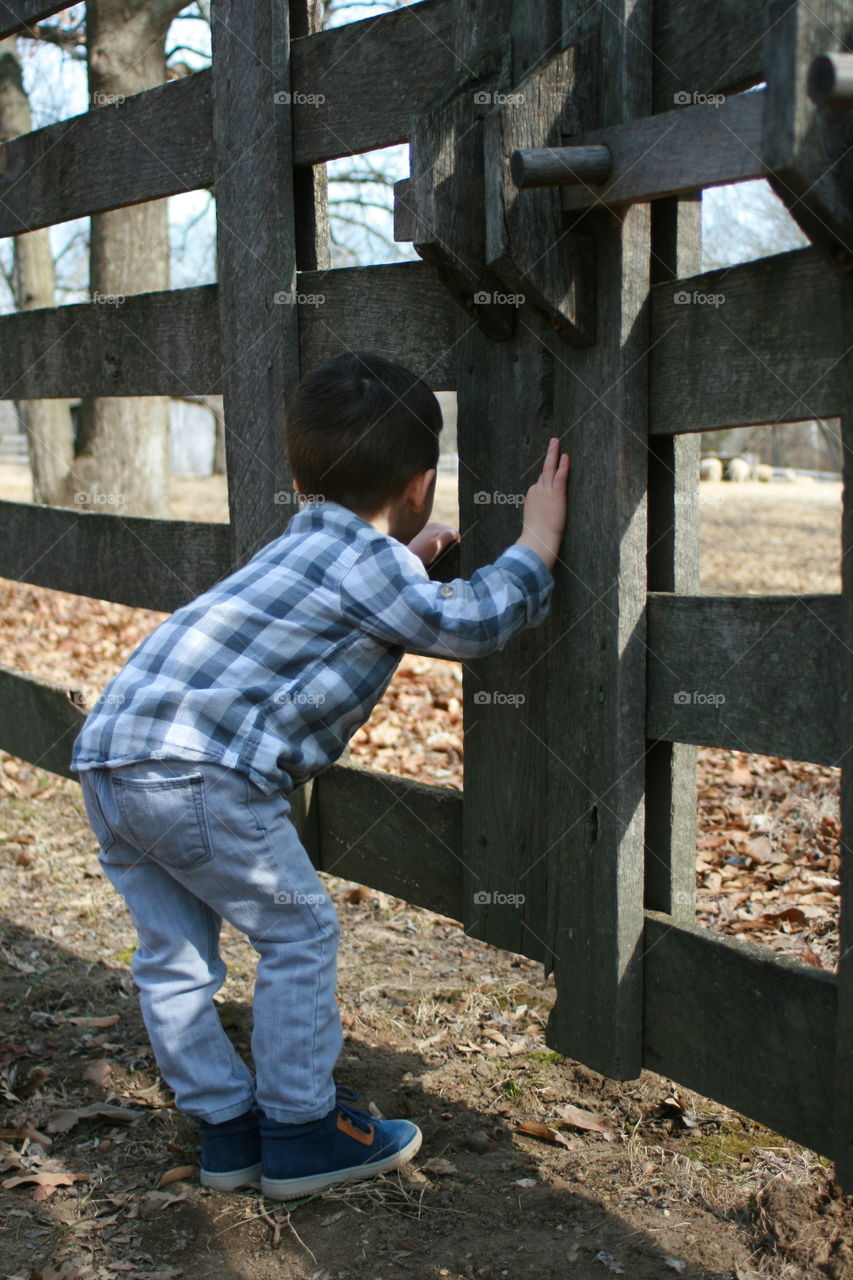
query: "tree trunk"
122, 461
47, 422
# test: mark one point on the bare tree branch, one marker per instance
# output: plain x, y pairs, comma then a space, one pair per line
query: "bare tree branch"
161, 12
71, 39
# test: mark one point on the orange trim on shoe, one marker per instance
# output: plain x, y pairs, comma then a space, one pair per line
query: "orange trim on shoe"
346, 1126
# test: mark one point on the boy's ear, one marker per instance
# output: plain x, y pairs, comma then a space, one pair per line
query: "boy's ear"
421, 485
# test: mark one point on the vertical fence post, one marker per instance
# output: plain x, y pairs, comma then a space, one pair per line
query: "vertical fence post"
257, 263
673, 565
597, 720
506, 414
555, 725
844, 1061
256, 259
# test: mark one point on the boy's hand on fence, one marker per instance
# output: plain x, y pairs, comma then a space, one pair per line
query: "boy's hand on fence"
432, 540
546, 505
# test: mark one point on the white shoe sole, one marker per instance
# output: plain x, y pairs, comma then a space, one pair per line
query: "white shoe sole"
293, 1188
233, 1179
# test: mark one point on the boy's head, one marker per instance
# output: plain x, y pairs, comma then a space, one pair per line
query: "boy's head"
359, 430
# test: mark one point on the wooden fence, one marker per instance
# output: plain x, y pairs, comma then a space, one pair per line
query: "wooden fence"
582, 800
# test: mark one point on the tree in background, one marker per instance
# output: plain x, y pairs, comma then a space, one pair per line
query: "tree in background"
121, 449
32, 283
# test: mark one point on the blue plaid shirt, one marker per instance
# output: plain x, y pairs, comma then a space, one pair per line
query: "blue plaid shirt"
273, 669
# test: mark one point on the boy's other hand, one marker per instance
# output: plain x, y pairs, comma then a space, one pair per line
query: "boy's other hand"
546, 505
432, 540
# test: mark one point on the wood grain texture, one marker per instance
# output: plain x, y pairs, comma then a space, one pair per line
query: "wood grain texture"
505, 407
527, 243
400, 836
738, 1023
399, 310
17, 14
157, 143
256, 257
705, 46
673, 565
592, 660
163, 343
677, 152
751, 673
167, 343
843, 1151
39, 720
807, 148
446, 195
372, 76
777, 368
150, 564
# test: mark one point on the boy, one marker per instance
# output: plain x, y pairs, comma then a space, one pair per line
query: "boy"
188, 760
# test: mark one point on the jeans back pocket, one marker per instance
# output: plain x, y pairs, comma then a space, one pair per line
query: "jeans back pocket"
165, 818
89, 781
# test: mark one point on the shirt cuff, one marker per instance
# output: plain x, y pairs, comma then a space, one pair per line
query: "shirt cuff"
530, 571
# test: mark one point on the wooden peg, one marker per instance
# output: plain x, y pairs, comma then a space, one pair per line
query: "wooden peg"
560, 166
830, 80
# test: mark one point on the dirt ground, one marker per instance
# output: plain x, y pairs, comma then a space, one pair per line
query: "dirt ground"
639, 1178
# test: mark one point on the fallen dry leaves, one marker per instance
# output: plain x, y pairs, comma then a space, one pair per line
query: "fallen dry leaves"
45, 1183
65, 1118
534, 1129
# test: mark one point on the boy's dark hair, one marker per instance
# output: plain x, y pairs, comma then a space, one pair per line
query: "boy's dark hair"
359, 428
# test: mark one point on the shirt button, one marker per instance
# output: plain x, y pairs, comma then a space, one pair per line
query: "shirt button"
446, 590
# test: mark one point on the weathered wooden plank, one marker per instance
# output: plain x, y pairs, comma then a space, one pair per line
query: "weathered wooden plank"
39, 719
753, 673
807, 148
88, 553
504, 898
162, 343
310, 181
705, 46
737, 1023
592, 771
152, 144
257, 265
17, 14
400, 836
528, 244
399, 310
673, 565
750, 321
843, 1151
448, 139
676, 152
371, 75
167, 342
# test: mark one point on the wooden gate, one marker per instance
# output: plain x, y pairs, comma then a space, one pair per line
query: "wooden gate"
558, 150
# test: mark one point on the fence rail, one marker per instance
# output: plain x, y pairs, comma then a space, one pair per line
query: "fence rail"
719, 674
168, 342
777, 369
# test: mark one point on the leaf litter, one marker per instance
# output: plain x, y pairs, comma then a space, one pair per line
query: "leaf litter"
469, 1018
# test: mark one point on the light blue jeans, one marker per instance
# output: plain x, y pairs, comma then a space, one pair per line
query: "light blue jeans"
187, 844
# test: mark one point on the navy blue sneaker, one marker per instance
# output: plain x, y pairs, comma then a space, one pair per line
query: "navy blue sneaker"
231, 1152
346, 1145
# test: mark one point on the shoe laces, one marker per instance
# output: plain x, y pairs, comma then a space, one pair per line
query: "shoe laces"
343, 1097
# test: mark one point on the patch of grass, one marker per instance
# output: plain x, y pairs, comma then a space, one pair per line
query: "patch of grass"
547, 1056
511, 1088
729, 1145
125, 957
